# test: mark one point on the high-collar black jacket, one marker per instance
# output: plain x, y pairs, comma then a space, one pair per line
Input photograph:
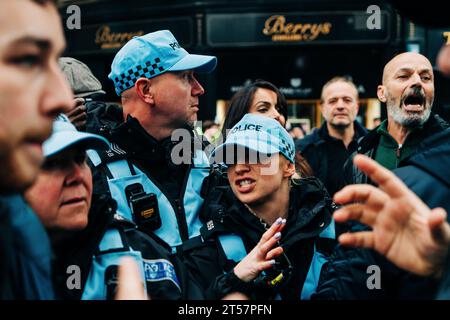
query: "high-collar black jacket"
310, 212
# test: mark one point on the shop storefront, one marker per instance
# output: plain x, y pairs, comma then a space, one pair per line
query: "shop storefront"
297, 45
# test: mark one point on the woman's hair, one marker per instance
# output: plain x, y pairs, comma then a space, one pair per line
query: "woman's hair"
239, 106
302, 166
241, 101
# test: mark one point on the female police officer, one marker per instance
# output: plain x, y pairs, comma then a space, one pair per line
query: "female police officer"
260, 157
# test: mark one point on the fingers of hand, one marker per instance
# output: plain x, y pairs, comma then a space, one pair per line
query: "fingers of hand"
367, 194
265, 247
78, 117
385, 179
130, 282
272, 254
363, 239
266, 265
277, 226
356, 211
439, 227
78, 109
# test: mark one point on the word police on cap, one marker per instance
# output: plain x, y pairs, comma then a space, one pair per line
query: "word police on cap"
249, 126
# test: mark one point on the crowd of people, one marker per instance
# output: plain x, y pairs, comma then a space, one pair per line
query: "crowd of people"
102, 201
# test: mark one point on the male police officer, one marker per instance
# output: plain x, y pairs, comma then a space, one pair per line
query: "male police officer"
154, 77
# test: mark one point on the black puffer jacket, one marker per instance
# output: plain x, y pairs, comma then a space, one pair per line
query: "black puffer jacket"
368, 146
310, 213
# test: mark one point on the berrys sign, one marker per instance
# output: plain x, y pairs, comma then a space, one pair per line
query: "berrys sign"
110, 37
253, 29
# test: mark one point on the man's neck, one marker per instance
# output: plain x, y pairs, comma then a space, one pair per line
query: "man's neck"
275, 207
158, 133
345, 134
151, 126
397, 131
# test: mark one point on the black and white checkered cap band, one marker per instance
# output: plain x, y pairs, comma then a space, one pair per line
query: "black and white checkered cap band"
127, 79
286, 148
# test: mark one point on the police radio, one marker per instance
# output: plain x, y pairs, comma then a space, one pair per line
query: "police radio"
144, 207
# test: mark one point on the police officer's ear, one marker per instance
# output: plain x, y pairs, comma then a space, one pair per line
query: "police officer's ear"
289, 169
381, 93
143, 90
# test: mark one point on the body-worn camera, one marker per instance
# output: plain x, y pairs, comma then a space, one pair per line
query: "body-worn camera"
144, 207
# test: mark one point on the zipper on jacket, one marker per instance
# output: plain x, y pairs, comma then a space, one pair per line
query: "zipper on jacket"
181, 218
399, 150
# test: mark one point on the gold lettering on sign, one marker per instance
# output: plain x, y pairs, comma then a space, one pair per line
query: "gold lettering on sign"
110, 40
276, 27
447, 37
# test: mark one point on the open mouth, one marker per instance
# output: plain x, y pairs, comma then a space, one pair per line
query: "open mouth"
245, 185
414, 102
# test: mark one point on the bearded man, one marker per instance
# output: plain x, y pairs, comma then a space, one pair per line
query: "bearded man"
407, 89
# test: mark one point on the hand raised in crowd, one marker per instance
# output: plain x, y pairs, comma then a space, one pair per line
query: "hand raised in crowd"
78, 114
262, 256
404, 229
130, 281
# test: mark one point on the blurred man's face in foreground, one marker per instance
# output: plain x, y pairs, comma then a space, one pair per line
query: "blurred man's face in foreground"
32, 88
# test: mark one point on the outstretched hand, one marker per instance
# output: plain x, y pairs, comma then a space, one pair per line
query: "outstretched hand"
262, 256
404, 229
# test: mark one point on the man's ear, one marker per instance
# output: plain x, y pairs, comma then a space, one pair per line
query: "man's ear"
143, 90
381, 93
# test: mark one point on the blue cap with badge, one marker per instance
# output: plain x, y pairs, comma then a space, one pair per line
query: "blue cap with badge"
151, 55
257, 133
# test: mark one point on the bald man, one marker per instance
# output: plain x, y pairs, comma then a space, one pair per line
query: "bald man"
407, 89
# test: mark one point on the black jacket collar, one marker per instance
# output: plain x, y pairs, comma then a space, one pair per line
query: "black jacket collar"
309, 214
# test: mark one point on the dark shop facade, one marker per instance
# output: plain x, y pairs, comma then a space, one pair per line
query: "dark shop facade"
297, 45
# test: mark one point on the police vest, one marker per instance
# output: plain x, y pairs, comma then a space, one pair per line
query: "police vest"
124, 174
102, 280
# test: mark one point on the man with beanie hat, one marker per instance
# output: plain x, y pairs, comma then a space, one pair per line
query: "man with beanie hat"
86, 88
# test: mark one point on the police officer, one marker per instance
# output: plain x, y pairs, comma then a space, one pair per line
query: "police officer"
154, 76
260, 155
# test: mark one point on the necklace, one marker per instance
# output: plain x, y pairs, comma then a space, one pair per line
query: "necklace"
264, 224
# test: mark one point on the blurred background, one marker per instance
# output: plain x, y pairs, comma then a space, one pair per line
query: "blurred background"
296, 44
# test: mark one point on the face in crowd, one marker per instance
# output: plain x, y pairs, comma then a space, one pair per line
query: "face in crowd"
408, 89
61, 195
265, 103
339, 104
176, 97
32, 87
252, 186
